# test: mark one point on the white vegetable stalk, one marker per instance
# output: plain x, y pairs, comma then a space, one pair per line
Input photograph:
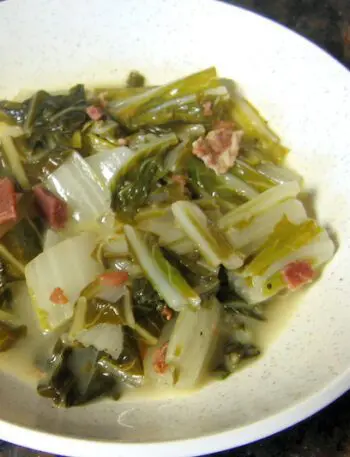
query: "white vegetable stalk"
193, 343
259, 204
67, 265
263, 224
239, 186
107, 163
153, 377
104, 337
212, 244
76, 183
116, 246
277, 174
254, 288
164, 277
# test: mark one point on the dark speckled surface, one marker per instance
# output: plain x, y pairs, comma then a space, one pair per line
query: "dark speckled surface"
327, 434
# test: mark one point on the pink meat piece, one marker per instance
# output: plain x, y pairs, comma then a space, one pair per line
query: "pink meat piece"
219, 149
52, 208
298, 273
8, 201
94, 112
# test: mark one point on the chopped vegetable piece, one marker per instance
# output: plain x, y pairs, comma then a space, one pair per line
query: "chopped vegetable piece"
58, 297
107, 163
19, 245
53, 208
45, 273
256, 128
131, 111
228, 187
252, 233
212, 244
8, 201
75, 377
259, 204
260, 281
193, 342
134, 182
76, 184
169, 283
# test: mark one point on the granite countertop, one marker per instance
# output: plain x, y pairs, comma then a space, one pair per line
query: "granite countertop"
327, 434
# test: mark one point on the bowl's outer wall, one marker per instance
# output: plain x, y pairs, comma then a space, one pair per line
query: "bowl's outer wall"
306, 97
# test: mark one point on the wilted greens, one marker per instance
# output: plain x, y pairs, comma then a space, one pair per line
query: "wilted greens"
148, 227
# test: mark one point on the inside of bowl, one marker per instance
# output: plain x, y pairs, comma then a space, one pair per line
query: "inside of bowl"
276, 70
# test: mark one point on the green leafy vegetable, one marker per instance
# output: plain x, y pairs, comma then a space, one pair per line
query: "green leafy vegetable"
135, 181
21, 244
170, 102
168, 282
75, 378
206, 182
49, 120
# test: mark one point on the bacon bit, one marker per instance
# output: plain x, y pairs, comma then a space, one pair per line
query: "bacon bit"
113, 278
8, 201
181, 180
159, 364
122, 141
52, 208
58, 297
207, 109
298, 273
219, 149
94, 112
167, 313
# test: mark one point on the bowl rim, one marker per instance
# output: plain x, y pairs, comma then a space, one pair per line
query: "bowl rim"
201, 445
189, 447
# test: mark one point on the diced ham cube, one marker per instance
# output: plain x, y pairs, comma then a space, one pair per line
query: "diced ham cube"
219, 149
54, 210
94, 112
159, 364
8, 201
113, 278
167, 313
58, 297
297, 274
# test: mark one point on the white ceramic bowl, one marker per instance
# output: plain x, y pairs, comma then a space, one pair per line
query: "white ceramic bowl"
306, 96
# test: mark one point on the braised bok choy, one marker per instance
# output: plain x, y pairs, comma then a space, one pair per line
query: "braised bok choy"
148, 227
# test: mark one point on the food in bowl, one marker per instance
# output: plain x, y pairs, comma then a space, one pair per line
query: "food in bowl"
150, 227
